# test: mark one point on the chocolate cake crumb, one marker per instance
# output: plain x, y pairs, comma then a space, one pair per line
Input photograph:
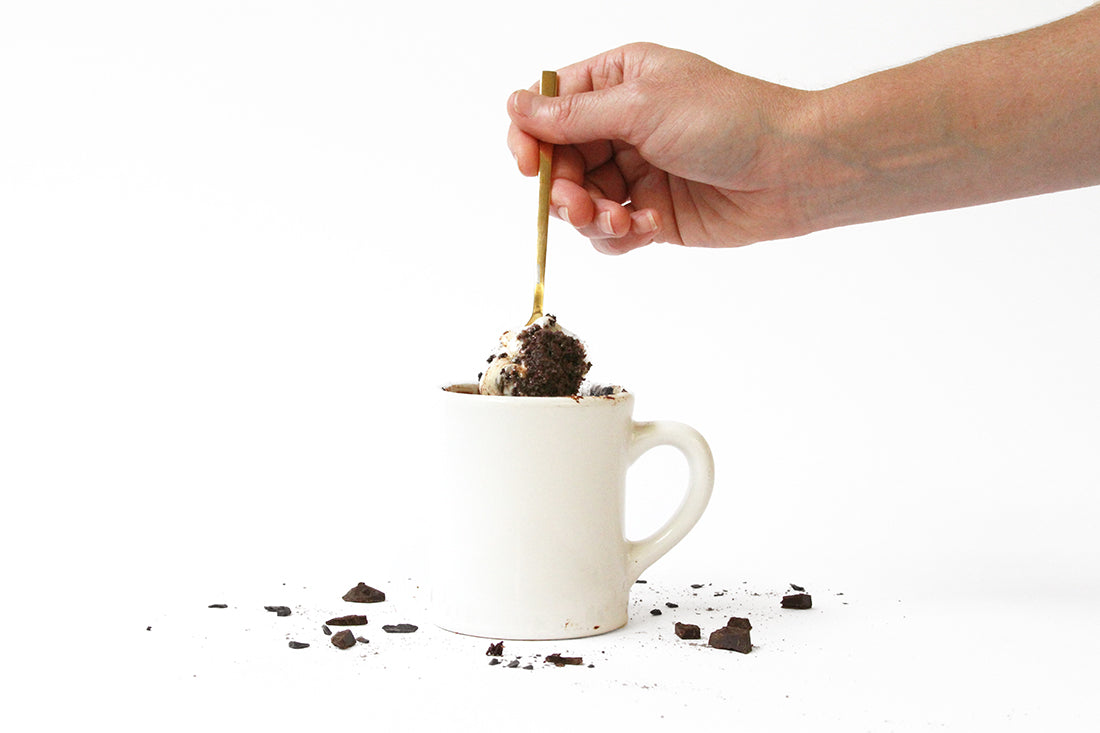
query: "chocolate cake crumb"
363, 593
218, 605
350, 620
800, 601
687, 631
559, 661
732, 638
278, 610
399, 628
343, 639
495, 650
298, 645
326, 630
555, 363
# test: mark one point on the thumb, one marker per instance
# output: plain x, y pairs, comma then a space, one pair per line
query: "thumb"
572, 118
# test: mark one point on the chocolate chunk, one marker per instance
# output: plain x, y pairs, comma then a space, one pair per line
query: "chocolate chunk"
559, 661
217, 605
513, 664
687, 631
351, 620
696, 586
495, 650
798, 588
655, 612
731, 638
278, 610
643, 582
799, 600
361, 640
298, 645
529, 666
327, 631
739, 623
399, 628
670, 604
343, 639
494, 661
363, 593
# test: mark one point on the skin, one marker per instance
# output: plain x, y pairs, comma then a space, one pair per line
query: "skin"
659, 145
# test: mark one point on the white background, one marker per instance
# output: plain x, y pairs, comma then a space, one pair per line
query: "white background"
242, 243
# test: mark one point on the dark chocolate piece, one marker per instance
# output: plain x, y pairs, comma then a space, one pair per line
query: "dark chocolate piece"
217, 605
798, 588
670, 604
278, 610
739, 623
350, 620
655, 612
495, 650
687, 631
343, 639
559, 661
799, 600
512, 664
399, 628
696, 586
494, 661
529, 666
643, 582
363, 593
361, 640
732, 638
298, 645
327, 631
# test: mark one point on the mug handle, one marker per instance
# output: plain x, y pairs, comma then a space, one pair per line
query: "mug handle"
648, 435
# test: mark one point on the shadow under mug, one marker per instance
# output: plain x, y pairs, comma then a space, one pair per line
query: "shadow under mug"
528, 519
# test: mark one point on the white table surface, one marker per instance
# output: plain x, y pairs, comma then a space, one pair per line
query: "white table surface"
242, 243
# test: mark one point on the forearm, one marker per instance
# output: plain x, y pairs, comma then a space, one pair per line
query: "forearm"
989, 121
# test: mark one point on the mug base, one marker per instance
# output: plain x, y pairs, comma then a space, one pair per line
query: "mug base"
554, 635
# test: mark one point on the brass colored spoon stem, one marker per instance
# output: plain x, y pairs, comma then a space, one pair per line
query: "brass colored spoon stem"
548, 88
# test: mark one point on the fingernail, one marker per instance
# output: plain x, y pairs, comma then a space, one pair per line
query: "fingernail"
523, 102
604, 223
563, 214
646, 222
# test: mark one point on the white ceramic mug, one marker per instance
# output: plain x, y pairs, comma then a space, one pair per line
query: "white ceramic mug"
528, 531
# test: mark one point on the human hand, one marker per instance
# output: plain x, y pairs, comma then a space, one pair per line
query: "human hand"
659, 145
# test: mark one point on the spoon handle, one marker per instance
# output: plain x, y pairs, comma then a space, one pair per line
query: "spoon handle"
548, 88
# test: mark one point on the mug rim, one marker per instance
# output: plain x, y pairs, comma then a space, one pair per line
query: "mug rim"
462, 390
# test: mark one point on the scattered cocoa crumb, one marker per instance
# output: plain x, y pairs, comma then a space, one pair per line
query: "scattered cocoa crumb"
363, 593
687, 631
559, 661
732, 638
343, 639
800, 601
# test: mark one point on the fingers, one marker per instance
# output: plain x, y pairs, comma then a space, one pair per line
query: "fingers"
604, 114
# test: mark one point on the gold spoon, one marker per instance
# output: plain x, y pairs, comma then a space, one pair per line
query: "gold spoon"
548, 87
